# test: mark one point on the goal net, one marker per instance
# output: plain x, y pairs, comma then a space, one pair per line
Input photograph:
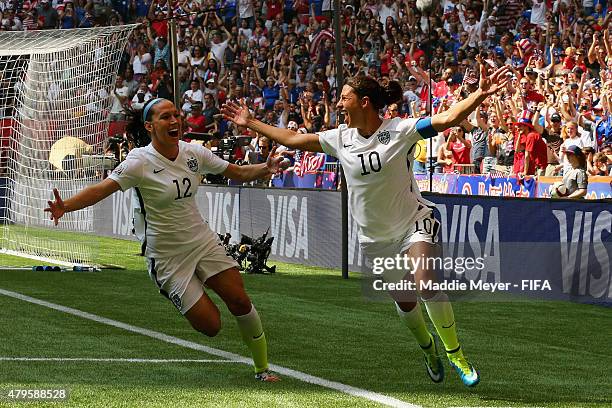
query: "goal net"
55, 97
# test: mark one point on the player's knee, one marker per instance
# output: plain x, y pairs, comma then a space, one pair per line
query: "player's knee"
208, 324
211, 331
239, 304
209, 328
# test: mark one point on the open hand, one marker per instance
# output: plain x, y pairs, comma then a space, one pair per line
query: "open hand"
56, 208
276, 163
239, 114
493, 83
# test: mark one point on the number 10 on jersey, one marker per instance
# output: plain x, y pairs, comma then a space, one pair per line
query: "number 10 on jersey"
371, 164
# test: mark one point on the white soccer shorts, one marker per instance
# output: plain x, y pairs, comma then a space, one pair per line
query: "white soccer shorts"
181, 278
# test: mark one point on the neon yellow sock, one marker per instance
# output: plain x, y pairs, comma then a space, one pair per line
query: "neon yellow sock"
415, 322
254, 337
441, 314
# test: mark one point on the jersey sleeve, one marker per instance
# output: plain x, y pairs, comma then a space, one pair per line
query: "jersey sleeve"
420, 128
209, 163
330, 141
129, 172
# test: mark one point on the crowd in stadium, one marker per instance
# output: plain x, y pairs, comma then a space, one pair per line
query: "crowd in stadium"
278, 56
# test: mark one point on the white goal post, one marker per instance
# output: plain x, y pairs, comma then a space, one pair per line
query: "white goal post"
55, 97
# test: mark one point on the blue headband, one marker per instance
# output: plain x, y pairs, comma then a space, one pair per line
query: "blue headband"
147, 108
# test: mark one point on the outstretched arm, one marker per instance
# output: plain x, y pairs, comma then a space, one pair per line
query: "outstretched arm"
241, 116
274, 164
461, 110
84, 198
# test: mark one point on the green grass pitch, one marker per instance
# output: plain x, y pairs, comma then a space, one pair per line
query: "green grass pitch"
530, 354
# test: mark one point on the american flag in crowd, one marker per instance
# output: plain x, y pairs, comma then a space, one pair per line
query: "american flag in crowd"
310, 162
470, 77
319, 39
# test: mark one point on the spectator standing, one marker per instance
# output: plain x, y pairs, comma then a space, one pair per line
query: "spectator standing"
210, 108
522, 128
271, 92
196, 121
30, 20
11, 22
480, 141
197, 62
551, 133
218, 44
193, 95
246, 12
47, 15
141, 62
119, 100
162, 49
264, 147
535, 154
570, 138
67, 17
459, 146
130, 82
184, 57
142, 96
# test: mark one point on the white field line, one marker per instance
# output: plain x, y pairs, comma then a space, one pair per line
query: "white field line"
346, 389
36, 258
115, 360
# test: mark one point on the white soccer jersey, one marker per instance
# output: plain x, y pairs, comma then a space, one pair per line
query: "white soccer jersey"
166, 191
384, 198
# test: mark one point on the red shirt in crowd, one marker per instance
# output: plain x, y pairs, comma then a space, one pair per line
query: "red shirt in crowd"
418, 53
536, 146
386, 62
519, 153
197, 123
274, 7
569, 62
461, 152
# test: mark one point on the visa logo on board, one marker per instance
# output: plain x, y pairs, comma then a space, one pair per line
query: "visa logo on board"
583, 252
224, 213
289, 225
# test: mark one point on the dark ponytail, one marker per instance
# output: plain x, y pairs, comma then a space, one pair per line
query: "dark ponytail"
135, 129
393, 93
378, 95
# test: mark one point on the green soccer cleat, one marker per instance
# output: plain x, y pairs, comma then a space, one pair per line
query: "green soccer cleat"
468, 374
433, 362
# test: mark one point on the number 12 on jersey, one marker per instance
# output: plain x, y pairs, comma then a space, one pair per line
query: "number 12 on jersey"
373, 164
186, 185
